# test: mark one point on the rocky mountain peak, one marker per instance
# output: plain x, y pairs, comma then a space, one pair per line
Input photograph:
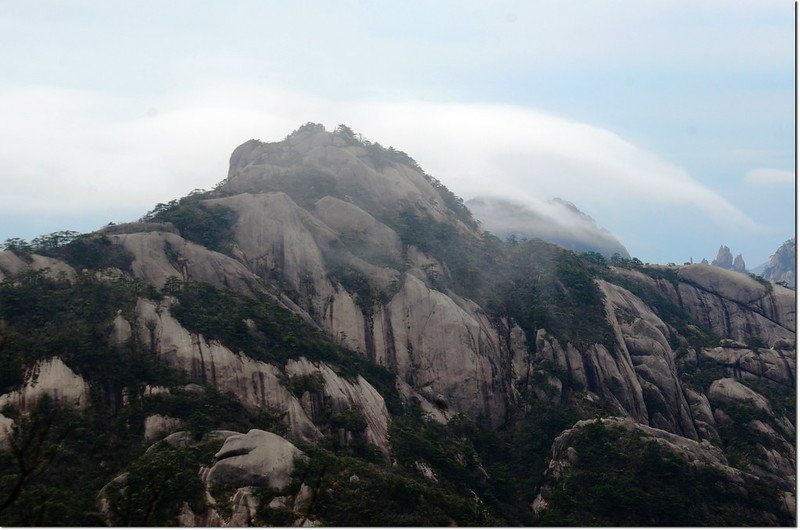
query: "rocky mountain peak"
312, 163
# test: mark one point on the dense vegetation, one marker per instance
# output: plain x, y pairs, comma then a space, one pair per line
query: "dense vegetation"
45, 317
207, 225
622, 479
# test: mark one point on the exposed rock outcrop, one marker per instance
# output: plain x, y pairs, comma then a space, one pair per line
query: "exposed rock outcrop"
53, 378
157, 425
731, 391
776, 365
158, 256
258, 458
341, 396
431, 339
334, 163
12, 264
255, 383
727, 303
643, 337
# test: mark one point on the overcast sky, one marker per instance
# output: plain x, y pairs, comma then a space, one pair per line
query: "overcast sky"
670, 122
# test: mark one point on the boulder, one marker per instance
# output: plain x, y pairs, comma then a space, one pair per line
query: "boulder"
731, 391
156, 425
258, 458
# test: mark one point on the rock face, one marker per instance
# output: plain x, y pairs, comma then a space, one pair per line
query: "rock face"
256, 384
781, 265
333, 161
556, 221
773, 365
643, 337
727, 303
53, 378
736, 306
161, 255
11, 265
258, 458
339, 395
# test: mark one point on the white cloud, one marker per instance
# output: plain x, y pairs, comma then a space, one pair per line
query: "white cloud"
769, 177
67, 152
516, 152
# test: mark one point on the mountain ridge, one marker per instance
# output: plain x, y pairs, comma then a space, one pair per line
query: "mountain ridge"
348, 302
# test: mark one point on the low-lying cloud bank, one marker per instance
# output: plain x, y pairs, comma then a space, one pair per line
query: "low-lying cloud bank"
63, 151
556, 221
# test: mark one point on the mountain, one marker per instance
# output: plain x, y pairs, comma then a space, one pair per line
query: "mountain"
781, 265
330, 337
556, 221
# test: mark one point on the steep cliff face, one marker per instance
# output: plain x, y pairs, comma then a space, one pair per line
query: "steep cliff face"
258, 384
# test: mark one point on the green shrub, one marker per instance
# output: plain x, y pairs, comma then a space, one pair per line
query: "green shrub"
207, 225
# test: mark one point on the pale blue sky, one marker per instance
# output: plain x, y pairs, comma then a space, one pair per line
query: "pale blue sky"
670, 122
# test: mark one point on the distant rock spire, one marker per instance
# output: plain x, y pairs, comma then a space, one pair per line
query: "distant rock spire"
738, 264
724, 258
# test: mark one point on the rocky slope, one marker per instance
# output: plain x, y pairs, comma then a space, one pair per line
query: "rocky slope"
331, 293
